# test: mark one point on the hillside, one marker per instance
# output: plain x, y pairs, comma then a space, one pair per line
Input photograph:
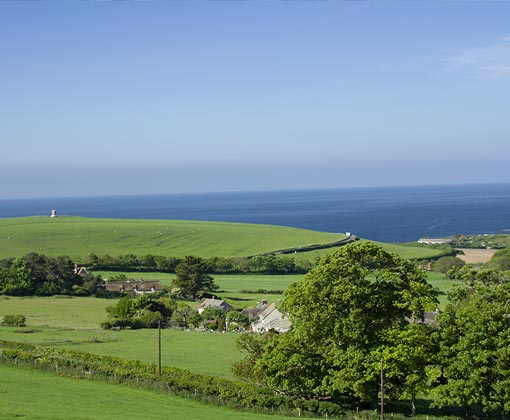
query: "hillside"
78, 237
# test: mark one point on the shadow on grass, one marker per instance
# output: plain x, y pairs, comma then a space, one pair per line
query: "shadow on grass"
237, 299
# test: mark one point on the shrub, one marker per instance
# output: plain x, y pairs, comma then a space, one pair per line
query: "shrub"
444, 264
13, 320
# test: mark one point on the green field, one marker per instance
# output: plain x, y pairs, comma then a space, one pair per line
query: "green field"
34, 394
201, 352
74, 323
76, 236
231, 285
79, 237
61, 312
409, 252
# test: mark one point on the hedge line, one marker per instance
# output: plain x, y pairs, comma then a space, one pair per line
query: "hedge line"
173, 380
311, 247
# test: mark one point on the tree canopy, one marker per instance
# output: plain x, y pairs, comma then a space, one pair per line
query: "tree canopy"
474, 351
360, 304
192, 277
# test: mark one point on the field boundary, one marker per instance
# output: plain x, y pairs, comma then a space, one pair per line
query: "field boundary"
311, 247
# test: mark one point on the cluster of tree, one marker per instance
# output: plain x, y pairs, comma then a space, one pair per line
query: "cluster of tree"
13, 320
211, 319
474, 349
472, 275
501, 260
266, 264
41, 275
152, 310
192, 277
144, 311
362, 305
444, 264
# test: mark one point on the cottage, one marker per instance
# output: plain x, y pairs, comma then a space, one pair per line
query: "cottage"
81, 271
139, 287
270, 319
214, 303
252, 313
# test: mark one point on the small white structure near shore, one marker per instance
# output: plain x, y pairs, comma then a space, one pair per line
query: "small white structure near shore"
53, 214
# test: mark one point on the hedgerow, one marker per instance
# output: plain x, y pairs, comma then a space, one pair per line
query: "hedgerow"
176, 381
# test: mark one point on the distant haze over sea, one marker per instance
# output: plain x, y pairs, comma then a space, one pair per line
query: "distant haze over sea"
389, 214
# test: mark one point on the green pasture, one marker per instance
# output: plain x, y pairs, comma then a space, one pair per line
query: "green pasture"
443, 284
56, 311
207, 353
79, 237
73, 322
233, 287
408, 252
34, 394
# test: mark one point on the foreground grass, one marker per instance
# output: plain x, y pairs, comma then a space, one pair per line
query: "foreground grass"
34, 394
201, 352
77, 236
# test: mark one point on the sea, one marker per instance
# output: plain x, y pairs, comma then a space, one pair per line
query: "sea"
388, 214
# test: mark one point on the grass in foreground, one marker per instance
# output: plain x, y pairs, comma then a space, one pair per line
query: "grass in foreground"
34, 394
201, 352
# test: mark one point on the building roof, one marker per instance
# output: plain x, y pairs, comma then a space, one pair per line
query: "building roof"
271, 319
255, 312
136, 286
215, 303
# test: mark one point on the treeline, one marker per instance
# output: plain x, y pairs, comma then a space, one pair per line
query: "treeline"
41, 275
175, 381
261, 264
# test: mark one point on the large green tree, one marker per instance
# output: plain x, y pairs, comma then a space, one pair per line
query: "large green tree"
475, 348
192, 277
360, 304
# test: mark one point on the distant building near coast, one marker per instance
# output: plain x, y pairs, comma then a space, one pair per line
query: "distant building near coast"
434, 241
53, 214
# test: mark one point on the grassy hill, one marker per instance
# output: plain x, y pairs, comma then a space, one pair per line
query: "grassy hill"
78, 237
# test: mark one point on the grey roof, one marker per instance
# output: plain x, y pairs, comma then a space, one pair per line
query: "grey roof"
215, 303
130, 285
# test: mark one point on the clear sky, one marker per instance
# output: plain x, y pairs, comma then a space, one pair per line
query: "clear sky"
159, 97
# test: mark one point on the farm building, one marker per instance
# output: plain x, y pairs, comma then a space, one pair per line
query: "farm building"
252, 313
270, 319
139, 287
214, 303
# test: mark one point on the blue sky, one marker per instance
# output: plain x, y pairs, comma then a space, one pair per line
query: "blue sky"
159, 97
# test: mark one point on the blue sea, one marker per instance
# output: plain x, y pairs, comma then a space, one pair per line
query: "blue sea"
389, 214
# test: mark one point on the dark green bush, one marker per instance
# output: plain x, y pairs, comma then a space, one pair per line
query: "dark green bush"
13, 320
